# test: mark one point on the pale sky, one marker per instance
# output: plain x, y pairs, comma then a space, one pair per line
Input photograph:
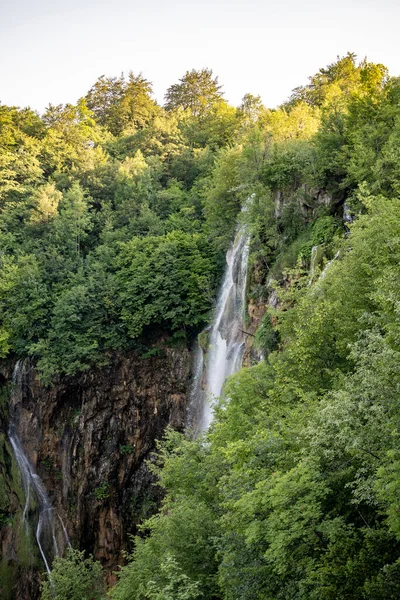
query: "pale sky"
53, 52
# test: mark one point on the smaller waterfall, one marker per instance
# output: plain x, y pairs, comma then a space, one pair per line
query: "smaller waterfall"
328, 264
226, 339
196, 393
36, 499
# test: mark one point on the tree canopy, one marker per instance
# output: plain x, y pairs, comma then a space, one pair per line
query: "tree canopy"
197, 91
115, 215
293, 493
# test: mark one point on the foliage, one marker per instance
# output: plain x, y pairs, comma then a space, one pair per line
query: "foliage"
74, 578
126, 449
180, 554
118, 103
296, 484
93, 197
165, 279
115, 215
196, 91
103, 491
266, 337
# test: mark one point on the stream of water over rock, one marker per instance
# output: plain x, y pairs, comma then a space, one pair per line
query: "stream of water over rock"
226, 341
38, 511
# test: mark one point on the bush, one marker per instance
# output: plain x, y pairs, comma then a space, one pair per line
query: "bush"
74, 578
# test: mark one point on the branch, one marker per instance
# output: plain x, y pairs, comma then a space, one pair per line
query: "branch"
247, 333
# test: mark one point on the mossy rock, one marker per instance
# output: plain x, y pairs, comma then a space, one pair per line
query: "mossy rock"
204, 339
7, 580
318, 253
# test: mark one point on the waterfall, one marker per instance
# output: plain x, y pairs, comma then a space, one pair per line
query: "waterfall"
226, 339
196, 393
37, 503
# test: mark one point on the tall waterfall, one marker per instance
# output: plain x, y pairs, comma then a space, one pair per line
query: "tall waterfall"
226, 339
50, 533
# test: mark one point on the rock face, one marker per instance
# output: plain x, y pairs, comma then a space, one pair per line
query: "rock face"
255, 312
88, 438
308, 199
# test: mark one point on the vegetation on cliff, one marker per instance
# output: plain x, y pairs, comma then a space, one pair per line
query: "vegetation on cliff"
114, 217
103, 227
295, 492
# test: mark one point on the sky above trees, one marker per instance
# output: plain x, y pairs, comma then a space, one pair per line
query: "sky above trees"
50, 50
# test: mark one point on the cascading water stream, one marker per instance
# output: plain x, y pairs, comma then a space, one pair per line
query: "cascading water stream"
226, 338
36, 499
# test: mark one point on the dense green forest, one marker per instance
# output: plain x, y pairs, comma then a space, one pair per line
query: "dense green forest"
115, 216
107, 222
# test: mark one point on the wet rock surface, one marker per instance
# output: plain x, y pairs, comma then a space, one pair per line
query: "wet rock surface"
88, 438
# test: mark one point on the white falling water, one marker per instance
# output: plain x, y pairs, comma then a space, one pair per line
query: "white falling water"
36, 499
226, 340
196, 394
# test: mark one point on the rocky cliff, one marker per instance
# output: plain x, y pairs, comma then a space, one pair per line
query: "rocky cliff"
88, 438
